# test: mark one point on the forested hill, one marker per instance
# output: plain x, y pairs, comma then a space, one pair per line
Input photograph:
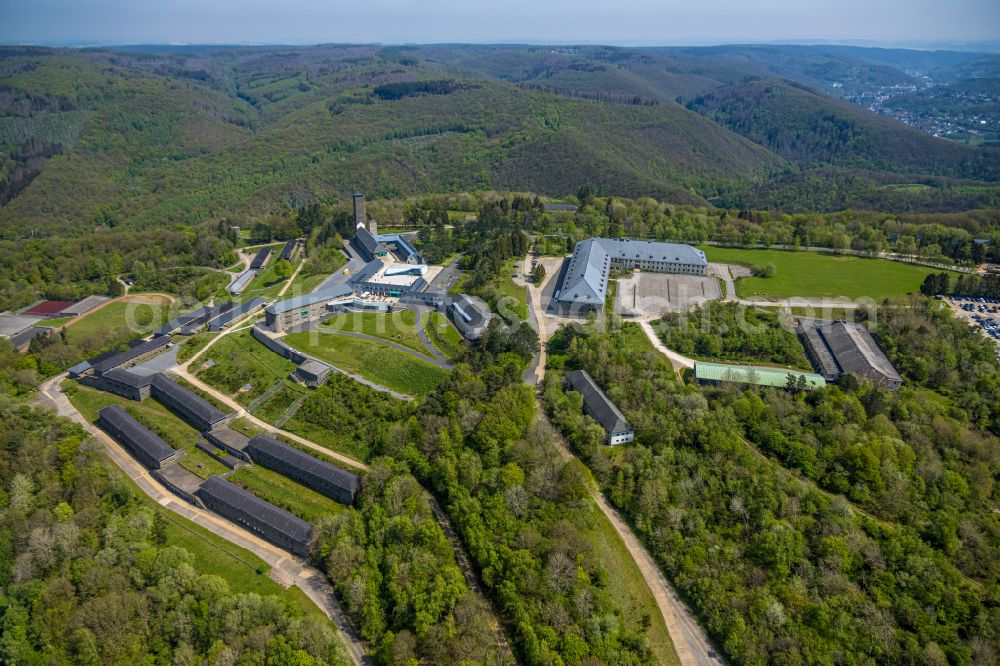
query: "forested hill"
138, 137
813, 130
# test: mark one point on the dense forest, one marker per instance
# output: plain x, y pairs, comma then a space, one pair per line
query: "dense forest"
732, 332
161, 138
882, 543
396, 573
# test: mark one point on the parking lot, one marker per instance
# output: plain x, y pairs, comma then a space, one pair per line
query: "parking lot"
984, 313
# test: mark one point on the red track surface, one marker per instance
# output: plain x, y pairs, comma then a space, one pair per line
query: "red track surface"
49, 308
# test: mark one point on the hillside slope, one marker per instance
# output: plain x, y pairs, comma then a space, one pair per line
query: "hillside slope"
160, 144
812, 129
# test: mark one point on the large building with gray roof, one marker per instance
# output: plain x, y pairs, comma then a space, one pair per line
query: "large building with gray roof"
290, 312
304, 468
839, 347
147, 447
278, 526
200, 413
470, 316
585, 284
599, 407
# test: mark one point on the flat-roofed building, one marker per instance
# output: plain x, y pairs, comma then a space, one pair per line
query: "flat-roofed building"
311, 372
145, 445
389, 279
585, 284
839, 347
290, 312
200, 413
306, 469
470, 316
276, 525
600, 408
758, 375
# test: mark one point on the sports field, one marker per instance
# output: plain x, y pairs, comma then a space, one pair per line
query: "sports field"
815, 274
140, 314
380, 363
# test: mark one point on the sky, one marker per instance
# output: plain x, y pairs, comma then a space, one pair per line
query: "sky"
627, 22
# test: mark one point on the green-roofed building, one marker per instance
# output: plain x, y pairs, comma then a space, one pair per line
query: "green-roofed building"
715, 373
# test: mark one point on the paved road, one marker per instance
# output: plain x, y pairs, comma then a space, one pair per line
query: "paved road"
285, 568
420, 312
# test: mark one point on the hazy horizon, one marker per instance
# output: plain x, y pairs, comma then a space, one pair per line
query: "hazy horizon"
884, 23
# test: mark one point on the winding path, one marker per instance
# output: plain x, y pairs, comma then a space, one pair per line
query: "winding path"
285, 568
677, 360
689, 638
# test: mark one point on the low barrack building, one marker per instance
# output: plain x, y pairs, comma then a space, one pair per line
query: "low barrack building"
308, 470
600, 408
758, 375
278, 526
121, 382
200, 413
839, 347
145, 445
137, 351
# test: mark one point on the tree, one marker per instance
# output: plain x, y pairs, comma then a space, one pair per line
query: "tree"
283, 268
538, 274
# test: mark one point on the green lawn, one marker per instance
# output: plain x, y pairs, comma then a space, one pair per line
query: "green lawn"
192, 345
54, 322
306, 281
285, 493
443, 335
154, 416
380, 363
266, 283
239, 359
817, 274
141, 318
399, 327
515, 297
